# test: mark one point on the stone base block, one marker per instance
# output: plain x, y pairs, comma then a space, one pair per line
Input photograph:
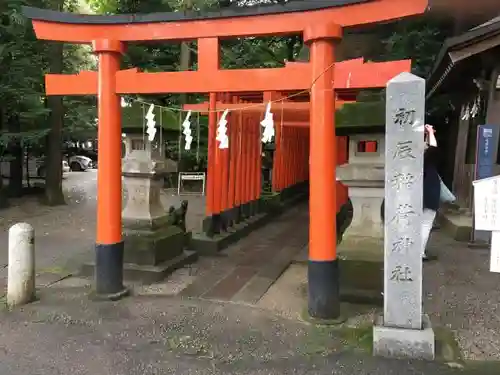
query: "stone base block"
148, 274
361, 264
456, 225
404, 343
152, 247
205, 245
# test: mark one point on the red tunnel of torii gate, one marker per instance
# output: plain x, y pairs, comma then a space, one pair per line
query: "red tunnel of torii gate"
290, 120
321, 24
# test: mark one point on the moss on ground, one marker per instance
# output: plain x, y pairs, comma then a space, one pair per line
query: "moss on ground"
447, 349
359, 338
326, 336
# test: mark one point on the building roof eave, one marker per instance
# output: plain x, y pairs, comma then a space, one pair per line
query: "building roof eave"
444, 64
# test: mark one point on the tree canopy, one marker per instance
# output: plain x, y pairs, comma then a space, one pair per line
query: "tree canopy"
28, 117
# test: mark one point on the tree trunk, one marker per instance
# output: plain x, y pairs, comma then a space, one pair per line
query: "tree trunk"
291, 45
16, 165
185, 56
184, 65
53, 164
4, 203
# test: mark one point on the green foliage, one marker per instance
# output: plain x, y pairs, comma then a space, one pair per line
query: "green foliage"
363, 114
21, 60
419, 39
269, 52
103, 6
23, 63
133, 117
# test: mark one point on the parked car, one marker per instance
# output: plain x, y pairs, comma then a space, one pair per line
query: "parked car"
80, 163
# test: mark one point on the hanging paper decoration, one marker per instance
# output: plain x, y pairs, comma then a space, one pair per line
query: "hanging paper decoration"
151, 123
124, 103
222, 131
465, 112
475, 107
186, 126
268, 124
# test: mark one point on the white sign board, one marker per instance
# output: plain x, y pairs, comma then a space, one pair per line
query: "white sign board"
191, 176
486, 214
487, 204
495, 252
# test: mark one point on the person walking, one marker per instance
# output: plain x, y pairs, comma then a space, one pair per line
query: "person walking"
431, 188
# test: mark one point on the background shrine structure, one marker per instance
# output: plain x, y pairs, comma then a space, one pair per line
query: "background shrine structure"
320, 22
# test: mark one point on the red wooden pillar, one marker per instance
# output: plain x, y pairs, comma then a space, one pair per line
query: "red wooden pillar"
370, 146
245, 138
212, 129
282, 161
298, 147
300, 144
280, 165
291, 156
300, 173
208, 51
296, 155
277, 154
224, 165
233, 151
323, 271
250, 173
217, 184
238, 194
258, 164
253, 163
286, 157
305, 153
109, 243
308, 153
258, 160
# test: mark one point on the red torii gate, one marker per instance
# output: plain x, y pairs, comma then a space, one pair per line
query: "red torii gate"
321, 24
291, 117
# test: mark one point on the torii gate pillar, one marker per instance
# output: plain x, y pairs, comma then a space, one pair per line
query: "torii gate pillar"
109, 243
323, 270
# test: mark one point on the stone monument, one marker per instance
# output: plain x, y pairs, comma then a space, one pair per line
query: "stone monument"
154, 237
404, 331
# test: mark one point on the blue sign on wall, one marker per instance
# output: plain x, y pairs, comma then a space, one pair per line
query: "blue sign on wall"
485, 151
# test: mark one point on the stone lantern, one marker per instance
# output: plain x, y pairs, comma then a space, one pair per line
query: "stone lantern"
361, 247
155, 236
364, 176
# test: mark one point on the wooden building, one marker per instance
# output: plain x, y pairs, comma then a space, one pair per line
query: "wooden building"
465, 86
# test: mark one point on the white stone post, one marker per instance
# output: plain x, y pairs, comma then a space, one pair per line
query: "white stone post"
404, 331
21, 271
